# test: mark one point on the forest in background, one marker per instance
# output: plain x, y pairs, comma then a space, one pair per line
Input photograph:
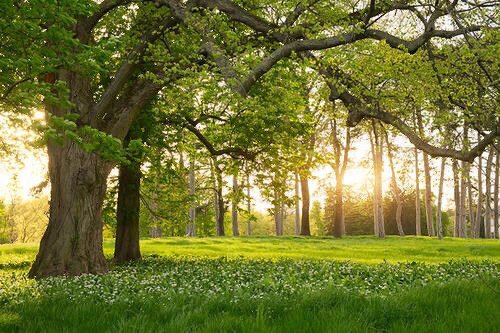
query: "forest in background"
197, 102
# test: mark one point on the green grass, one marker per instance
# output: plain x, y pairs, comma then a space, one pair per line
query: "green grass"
364, 249
267, 284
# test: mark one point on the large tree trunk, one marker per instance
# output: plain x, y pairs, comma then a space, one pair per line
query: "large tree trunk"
456, 192
297, 205
487, 200
439, 222
418, 227
305, 229
72, 242
128, 211
475, 230
234, 208
191, 228
495, 196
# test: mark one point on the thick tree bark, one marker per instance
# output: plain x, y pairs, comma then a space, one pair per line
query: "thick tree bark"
305, 229
191, 228
72, 242
128, 210
297, 205
456, 192
439, 222
234, 208
487, 199
418, 227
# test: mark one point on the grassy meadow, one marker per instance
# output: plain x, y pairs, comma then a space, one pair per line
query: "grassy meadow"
268, 284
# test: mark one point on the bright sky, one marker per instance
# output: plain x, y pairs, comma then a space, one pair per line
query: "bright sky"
23, 168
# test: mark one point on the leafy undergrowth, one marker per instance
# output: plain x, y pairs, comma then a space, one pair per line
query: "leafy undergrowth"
240, 294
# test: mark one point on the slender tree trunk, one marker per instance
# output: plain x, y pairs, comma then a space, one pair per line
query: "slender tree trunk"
234, 208
282, 218
128, 210
297, 205
339, 166
495, 196
191, 229
277, 208
428, 190
380, 218
462, 231
456, 191
377, 152
429, 215
395, 188
375, 199
305, 229
487, 214
249, 207
220, 212
470, 202
278, 214
418, 227
218, 200
72, 242
475, 232
439, 222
